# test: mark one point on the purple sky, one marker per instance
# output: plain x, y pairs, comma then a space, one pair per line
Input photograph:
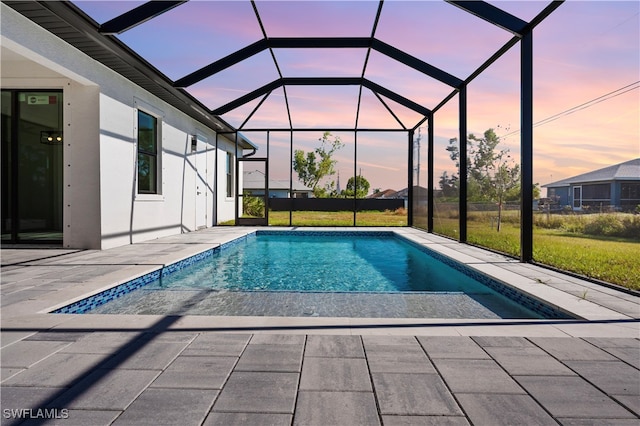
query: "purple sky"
584, 51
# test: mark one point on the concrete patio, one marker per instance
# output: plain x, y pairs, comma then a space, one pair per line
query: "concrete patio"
192, 370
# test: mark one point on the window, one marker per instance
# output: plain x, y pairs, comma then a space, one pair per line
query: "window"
147, 153
630, 191
629, 196
600, 192
229, 175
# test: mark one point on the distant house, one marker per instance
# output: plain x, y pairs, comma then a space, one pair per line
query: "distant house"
615, 187
253, 182
387, 193
419, 195
419, 192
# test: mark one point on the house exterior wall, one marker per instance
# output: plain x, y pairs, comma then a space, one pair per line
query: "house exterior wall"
559, 195
102, 208
225, 205
278, 193
615, 200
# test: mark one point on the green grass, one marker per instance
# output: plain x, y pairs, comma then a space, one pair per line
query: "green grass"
614, 260
609, 259
364, 218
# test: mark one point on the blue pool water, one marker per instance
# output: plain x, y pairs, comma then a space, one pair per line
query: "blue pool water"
319, 274
336, 263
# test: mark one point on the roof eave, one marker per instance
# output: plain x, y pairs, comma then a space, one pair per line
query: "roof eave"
69, 23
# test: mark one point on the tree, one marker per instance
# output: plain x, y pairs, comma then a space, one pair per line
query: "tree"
358, 185
492, 175
448, 185
315, 165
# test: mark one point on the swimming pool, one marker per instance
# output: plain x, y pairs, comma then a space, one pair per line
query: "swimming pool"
310, 273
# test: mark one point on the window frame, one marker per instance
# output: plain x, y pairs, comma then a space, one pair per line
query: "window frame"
229, 190
158, 116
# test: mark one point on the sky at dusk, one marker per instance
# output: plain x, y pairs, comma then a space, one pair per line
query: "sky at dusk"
586, 78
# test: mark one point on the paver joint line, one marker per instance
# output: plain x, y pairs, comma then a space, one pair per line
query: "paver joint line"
602, 355
457, 397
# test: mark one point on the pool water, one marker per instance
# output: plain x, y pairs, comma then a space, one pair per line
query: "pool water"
322, 264
302, 274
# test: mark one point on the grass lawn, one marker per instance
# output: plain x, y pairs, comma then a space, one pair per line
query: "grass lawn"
614, 260
607, 259
364, 218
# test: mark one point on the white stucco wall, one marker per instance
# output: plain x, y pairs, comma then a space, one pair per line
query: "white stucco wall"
225, 205
101, 206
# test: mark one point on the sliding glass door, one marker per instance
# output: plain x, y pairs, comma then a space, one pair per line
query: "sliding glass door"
32, 166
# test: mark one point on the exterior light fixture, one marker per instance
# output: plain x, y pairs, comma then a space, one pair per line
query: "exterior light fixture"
51, 137
194, 143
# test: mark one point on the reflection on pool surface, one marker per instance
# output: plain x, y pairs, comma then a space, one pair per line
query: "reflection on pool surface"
336, 274
324, 263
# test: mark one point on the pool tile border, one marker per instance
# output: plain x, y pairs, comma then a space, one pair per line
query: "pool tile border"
91, 302
538, 306
98, 299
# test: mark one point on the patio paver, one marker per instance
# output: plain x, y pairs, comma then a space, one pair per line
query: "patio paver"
398, 359
503, 409
25, 353
476, 376
258, 357
578, 351
258, 392
168, 407
196, 372
215, 370
57, 370
424, 421
414, 394
528, 361
80, 418
572, 397
334, 346
106, 389
336, 408
248, 419
613, 377
335, 374
451, 347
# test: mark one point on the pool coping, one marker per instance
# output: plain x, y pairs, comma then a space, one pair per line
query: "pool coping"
481, 261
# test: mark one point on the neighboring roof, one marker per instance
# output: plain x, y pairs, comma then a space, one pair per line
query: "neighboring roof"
255, 179
387, 193
403, 193
244, 142
418, 190
629, 170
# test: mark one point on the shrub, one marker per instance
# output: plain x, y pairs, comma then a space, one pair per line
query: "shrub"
548, 222
574, 223
400, 211
606, 225
253, 206
510, 218
631, 227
